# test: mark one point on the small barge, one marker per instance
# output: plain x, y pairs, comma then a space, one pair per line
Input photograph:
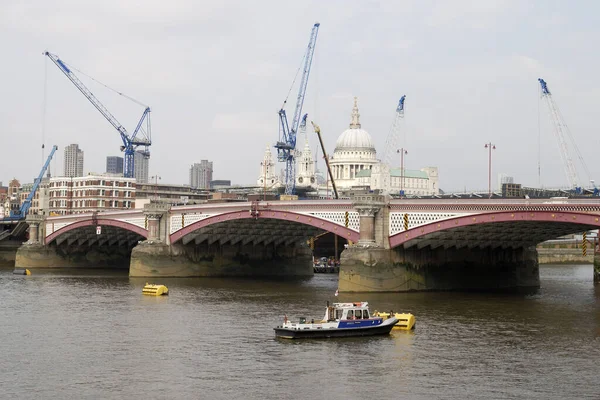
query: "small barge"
340, 320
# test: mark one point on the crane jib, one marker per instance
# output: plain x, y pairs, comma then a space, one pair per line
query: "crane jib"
63, 66
128, 142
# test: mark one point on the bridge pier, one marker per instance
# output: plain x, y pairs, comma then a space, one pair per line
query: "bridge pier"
156, 257
372, 266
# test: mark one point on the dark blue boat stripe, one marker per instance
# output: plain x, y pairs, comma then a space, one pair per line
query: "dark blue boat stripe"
358, 323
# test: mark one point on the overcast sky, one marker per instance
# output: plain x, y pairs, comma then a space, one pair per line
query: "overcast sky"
215, 74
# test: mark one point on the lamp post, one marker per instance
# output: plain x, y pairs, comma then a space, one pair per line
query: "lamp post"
156, 178
490, 146
402, 152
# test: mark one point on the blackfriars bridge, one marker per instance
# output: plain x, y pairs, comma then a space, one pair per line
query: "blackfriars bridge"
392, 245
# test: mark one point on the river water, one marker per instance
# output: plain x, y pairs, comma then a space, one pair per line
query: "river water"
89, 334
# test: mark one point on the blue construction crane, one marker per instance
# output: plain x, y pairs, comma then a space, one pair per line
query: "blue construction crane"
286, 146
130, 142
21, 213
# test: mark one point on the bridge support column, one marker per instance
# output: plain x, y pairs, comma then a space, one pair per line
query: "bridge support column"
34, 221
399, 270
368, 206
33, 253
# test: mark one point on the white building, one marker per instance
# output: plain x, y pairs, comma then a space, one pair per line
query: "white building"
354, 152
354, 163
73, 163
268, 178
305, 169
90, 193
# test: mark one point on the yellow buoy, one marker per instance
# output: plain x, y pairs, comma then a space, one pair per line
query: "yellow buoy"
155, 290
406, 321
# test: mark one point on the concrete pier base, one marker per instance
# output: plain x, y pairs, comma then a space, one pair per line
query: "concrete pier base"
40, 256
8, 253
161, 260
398, 270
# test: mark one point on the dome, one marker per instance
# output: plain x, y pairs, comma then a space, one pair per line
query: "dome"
355, 138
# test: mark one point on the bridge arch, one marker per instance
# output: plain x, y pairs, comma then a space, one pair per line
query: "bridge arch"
268, 214
571, 221
94, 222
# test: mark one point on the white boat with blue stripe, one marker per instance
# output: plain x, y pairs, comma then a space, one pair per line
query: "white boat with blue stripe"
341, 320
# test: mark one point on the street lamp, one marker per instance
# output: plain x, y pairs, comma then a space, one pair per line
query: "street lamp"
490, 146
402, 152
156, 178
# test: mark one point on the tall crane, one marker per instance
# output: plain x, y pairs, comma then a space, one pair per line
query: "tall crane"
560, 127
286, 145
130, 142
21, 213
391, 143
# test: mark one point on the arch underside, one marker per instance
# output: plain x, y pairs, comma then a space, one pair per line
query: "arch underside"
499, 230
250, 231
113, 233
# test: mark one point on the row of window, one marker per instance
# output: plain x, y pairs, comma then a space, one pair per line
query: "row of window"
91, 183
90, 193
91, 204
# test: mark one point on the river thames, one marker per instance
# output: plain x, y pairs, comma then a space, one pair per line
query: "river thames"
90, 334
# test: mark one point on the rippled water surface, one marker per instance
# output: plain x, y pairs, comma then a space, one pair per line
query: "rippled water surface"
91, 334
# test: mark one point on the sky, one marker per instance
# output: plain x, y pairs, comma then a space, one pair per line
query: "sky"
215, 73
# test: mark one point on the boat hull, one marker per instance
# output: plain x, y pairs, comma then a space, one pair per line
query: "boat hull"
311, 333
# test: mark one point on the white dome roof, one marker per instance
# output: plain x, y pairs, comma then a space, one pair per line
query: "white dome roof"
354, 138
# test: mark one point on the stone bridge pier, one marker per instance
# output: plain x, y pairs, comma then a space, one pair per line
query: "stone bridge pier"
372, 266
246, 247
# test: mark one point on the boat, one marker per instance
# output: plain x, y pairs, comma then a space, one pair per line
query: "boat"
340, 320
155, 290
406, 321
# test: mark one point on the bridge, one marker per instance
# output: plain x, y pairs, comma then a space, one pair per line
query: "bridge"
393, 245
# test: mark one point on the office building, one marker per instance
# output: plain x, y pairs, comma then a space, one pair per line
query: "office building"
114, 165
73, 165
201, 174
90, 194
141, 165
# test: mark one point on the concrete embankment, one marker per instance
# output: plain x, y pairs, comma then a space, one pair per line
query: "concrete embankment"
564, 256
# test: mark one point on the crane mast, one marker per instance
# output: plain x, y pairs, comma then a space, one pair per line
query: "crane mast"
559, 127
22, 212
391, 143
286, 146
130, 142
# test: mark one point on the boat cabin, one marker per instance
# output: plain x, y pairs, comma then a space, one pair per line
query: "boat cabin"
347, 311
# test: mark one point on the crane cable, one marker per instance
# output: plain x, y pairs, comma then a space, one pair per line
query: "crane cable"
44, 101
294, 81
106, 86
